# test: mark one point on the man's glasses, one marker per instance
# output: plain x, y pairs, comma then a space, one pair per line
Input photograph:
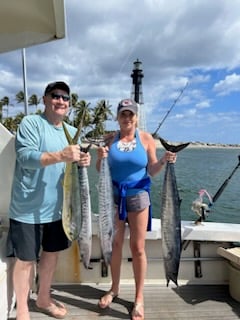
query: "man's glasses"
56, 96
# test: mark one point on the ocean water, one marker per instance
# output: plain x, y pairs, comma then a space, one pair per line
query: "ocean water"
195, 169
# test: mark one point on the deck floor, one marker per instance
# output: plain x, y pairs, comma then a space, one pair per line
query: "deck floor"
187, 302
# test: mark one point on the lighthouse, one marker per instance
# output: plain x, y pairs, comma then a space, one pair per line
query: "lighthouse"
137, 93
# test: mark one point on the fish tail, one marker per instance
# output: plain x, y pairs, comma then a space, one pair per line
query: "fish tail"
85, 149
173, 278
173, 148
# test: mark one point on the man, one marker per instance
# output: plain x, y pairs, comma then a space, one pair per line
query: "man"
36, 201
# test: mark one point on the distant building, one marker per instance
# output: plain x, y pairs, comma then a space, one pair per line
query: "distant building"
137, 93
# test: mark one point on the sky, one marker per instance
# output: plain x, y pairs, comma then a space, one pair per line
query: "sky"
179, 42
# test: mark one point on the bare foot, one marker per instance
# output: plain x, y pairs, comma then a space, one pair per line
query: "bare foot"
138, 311
23, 315
55, 309
107, 299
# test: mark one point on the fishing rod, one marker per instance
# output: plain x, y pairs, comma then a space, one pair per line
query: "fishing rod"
170, 109
202, 208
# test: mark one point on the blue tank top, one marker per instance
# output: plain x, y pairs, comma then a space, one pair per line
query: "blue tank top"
129, 174
128, 166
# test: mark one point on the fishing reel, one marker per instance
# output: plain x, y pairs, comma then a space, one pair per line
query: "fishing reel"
200, 208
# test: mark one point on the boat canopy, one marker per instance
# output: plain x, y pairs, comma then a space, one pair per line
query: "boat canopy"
26, 23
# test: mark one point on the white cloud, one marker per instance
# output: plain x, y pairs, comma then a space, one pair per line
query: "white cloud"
177, 41
203, 104
230, 84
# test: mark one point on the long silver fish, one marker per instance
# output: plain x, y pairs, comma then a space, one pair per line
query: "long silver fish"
171, 218
71, 213
106, 210
85, 236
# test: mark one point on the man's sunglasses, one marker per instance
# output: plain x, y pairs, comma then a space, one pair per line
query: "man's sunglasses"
56, 96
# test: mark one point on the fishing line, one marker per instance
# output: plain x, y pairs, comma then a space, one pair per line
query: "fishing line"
125, 61
170, 109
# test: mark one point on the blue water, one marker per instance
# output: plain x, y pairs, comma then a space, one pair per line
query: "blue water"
195, 169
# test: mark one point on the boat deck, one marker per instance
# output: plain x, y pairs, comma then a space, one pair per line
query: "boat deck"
198, 302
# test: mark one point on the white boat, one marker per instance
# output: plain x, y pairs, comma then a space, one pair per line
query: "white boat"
209, 256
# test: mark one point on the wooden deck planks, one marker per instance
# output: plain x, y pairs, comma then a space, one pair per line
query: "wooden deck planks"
187, 302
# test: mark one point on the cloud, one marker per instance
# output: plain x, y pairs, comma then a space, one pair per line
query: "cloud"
231, 83
177, 41
203, 104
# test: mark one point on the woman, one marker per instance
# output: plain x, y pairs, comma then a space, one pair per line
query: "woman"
132, 158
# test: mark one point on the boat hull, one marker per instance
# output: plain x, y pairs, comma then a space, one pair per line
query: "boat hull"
200, 263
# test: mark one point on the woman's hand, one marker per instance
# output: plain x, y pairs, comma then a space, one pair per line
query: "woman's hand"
170, 157
102, 152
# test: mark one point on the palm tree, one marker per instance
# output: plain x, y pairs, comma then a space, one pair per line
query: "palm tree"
20, 97
74, 100
34, 100
5, 102
82, 114
102, 113
74, 103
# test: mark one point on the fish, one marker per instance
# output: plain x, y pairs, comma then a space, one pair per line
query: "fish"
171, 218
106, 211
85, 236
71, 212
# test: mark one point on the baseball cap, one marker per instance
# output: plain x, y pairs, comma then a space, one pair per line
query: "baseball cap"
128, 104
57, 85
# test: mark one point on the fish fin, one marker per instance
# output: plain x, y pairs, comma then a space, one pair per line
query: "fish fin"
67, 134
77, 134
79, 128
173, 148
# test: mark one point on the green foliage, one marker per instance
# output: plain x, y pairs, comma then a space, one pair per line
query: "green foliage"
93, 120
20, 97
34, 100
12, 123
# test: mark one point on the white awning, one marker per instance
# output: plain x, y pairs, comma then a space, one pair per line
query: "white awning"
24, 23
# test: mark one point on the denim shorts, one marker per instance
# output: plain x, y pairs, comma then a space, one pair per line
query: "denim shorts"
25, 240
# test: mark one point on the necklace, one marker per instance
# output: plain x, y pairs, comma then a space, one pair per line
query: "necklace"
126, 146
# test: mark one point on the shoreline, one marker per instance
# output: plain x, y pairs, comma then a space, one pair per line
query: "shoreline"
201, 145
191, 145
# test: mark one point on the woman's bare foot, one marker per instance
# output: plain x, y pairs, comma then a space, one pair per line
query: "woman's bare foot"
107, 299
138, 311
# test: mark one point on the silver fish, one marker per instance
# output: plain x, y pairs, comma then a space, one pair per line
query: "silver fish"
85, 236
171, 218
106, 210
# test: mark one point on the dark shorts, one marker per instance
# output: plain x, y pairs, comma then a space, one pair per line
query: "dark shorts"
136, 202
25, 240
